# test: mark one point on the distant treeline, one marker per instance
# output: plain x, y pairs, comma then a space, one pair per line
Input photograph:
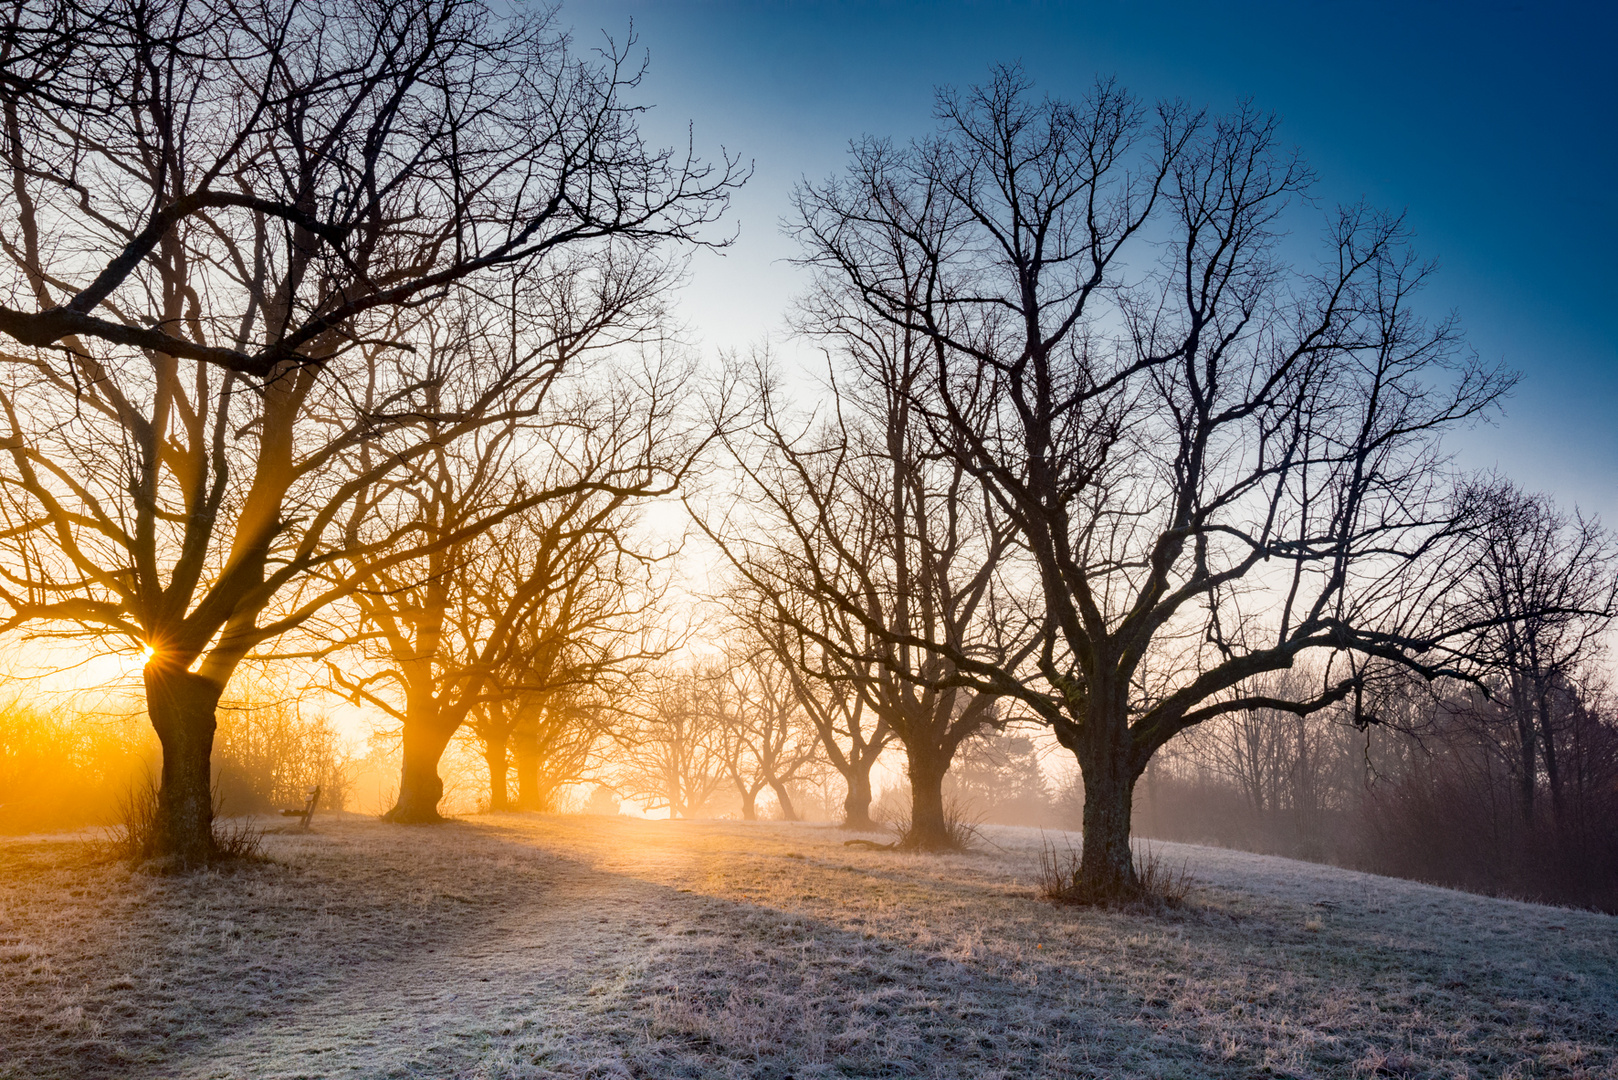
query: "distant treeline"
67, 768
1457, 791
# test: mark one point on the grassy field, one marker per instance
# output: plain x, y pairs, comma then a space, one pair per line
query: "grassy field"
505, 947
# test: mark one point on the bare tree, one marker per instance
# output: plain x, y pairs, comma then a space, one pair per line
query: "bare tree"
549, 708
224, 223
549, 738
826, 686
1545, 588
767, 740
674, 749
875, 550
496, 592
1215, 461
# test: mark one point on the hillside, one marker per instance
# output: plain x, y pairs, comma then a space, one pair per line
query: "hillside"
506, 947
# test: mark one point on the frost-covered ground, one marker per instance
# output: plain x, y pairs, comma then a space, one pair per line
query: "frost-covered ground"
577, 946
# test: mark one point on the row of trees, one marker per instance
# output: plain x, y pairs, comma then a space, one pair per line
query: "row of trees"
302, 300
1100, 451
340, 335
1440, 792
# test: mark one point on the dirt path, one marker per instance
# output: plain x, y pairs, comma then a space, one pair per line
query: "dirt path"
530, 947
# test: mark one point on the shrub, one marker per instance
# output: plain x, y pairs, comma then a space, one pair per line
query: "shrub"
61, 769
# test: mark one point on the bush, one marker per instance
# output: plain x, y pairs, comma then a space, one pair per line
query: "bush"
267, 753
134, 838
66, 770
1453, 823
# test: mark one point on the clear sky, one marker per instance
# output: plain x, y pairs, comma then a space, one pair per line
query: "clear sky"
1494, 125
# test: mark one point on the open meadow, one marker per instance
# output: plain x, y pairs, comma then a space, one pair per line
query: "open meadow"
576, 946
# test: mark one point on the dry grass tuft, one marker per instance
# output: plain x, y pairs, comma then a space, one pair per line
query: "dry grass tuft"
237, 840
960, 830
134, 839
1158, 885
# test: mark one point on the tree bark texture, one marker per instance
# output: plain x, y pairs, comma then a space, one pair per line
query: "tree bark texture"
857, 803
788, 811
420, 787
525, 749
494, 754
1106, 863
928, 829
181, 706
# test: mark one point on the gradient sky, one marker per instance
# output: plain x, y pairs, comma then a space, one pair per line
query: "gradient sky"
1494, 125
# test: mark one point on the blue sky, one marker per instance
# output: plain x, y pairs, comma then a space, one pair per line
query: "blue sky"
1493, 125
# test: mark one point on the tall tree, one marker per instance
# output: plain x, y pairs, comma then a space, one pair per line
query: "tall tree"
674, 746
577, 650
1216, 461
226, 219
826, 684
439, 635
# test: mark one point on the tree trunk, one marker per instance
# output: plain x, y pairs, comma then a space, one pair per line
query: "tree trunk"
1547, 737
857, 803
181, 706
494, 753
1106, 864
420, 787
1527, 777
788, 811
928, 830
525, 749
749, 805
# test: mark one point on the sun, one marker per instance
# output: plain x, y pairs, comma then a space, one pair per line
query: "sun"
148, 652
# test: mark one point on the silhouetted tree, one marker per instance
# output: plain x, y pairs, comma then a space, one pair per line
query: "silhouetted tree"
768, 742
1215, 461
826, 685
1545, 589
874, 550
227, 219
674, 747
549, 708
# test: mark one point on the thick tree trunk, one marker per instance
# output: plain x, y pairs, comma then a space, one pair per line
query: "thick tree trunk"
494, 754
788, 811
1106, 864
181, 706
857, 803
420, 787
749, 805
928, 829
525, 749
